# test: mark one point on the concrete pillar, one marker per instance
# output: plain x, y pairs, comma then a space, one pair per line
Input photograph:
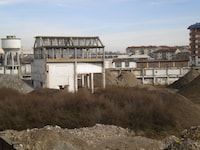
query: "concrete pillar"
167, 76
18, 65
142, 75
180, 71
83, 80
92, 82
88, 81
104, 70
147, 65
12, 63
75, 72
154, 78
67, 52
5, 62
173, 64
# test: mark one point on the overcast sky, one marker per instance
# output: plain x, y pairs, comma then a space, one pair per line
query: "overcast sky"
118, 23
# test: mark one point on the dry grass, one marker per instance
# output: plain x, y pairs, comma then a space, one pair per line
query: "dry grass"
134, 108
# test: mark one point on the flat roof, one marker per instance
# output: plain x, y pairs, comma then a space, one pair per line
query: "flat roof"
74, 37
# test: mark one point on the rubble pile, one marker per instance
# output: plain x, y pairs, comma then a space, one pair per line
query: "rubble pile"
189, 140
98, 137
93, 135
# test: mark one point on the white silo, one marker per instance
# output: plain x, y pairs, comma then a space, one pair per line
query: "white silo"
12, 48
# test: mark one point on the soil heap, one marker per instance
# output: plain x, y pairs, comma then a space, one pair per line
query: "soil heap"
186, 79
123, 79
13, 82
189, 85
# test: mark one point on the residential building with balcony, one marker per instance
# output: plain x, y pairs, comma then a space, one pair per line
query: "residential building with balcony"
195, 44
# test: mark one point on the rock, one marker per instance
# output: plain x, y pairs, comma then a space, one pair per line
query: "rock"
190, 140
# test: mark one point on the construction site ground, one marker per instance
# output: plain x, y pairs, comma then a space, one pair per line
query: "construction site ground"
110, 137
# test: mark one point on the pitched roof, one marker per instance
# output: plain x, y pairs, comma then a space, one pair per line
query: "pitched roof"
150, 46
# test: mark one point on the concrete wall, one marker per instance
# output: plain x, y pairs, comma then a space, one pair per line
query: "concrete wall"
38, 73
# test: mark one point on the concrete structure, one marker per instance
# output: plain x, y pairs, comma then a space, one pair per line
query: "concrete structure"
59, 62
6, 144
195, 44
152, 72
160, 76
163, 64
12, 47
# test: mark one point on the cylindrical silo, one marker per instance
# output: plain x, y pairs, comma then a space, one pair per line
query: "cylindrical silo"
12, 47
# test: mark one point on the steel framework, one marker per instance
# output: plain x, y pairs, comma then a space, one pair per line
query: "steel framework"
52, 47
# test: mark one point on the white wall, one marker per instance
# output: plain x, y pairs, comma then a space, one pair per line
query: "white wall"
132, 64
60, 74
84, 68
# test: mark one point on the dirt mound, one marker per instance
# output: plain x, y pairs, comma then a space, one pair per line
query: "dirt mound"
127, 79
189, 85
124, 79
191, 90
98, 137
186, 79
13, 82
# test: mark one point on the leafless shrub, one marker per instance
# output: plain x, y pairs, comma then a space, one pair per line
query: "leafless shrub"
134, 108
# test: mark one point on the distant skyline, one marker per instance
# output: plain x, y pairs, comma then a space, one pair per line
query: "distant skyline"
118, 23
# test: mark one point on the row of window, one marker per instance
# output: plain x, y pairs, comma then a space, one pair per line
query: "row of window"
119, 64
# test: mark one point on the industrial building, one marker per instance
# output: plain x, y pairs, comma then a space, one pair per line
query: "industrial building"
60, 62
195, 44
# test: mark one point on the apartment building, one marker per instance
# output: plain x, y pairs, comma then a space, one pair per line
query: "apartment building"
141, 50
165, 54
195, 44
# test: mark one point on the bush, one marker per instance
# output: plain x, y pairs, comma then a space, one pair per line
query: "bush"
134, 108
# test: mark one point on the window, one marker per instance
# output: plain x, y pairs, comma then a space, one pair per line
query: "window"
126, 64
180, 65
118, 64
